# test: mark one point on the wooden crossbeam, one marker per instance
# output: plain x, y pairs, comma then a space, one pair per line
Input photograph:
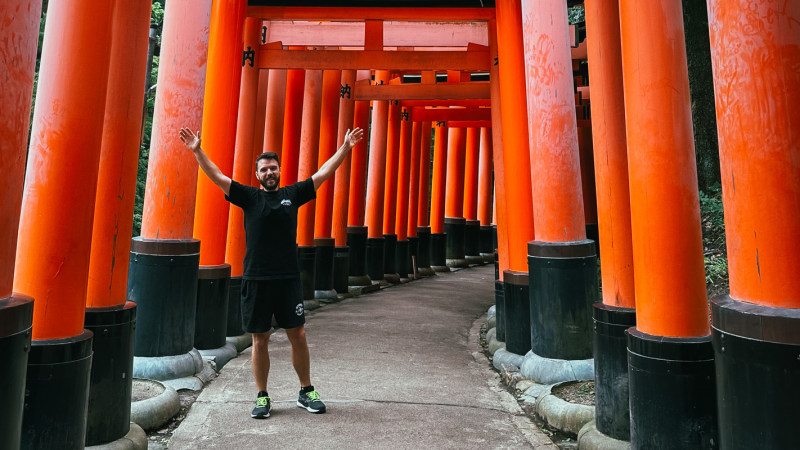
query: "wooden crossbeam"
372, 59
469, 123
458, 91
450, 114
369, 13
470, 102
395, 34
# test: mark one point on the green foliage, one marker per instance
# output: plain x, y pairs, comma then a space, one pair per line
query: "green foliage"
713, 225
576, 14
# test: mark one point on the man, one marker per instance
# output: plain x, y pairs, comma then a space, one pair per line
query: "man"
271, 279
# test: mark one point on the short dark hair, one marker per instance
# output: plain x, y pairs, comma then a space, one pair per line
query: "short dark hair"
268, 155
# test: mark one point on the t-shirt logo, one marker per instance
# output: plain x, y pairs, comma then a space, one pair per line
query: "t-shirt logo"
299, 309
286, 202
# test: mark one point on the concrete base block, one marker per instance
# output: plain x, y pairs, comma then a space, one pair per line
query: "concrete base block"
426, 272
506, 361
167, 367
154, 403
136, 439
392, 278
492, 343
590, 438
488, 258
310, 305
220, 355
194, 382
457, 263
440, 268
549, 371
359, 280
328, 296
361, 290
475, 260
241, 342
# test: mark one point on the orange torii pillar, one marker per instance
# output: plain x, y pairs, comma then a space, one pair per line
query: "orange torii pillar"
274, 114
413, 199
109, 315
472, 228
486, 237
500, 231
323, 222
19, 37
454, 222
162, 278
562, 262
670, 357
755, 54
517, 175
309, 149
423, 202
616, 312
220, 109
292, 124
375, 183
438, 238
341, 191
588, 183
55, 227
356, 229
390, 273
246, 150
402, 255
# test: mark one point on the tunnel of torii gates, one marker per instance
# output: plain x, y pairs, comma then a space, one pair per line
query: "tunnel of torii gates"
485, 135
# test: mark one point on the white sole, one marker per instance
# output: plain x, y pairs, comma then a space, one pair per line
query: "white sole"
310, 409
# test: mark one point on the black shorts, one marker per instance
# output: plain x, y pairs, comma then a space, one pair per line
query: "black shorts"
263, 299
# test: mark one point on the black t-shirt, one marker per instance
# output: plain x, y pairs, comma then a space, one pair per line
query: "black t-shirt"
270, 227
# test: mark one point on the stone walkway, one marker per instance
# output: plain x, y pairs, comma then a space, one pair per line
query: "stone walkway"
399, 368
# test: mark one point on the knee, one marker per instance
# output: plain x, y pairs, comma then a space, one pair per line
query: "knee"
260, 339
296, 335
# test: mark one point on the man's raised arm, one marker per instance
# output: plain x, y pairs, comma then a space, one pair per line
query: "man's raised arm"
192, 142
351, 138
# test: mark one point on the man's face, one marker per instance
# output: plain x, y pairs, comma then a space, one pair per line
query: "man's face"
268, 173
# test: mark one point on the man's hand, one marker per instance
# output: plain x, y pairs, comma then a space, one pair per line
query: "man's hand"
190, 139
353, 137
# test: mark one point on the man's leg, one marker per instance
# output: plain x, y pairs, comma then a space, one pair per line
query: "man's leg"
300, 356
261, 359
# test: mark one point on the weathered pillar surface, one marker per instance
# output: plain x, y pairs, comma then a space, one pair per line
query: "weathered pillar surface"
341, 195
755, 53
404, 168
471, 162
292, 124
309, 150
414, 179
328, 135
377, 161
391, 174
275, 109
672, 332
358, 168
220, 107
438, 181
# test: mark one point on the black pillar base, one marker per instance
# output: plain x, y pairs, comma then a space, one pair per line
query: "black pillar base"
375, 258
16, 321
413, 255
500, 311
306, 259
390, 273
162, 281
211, 319
341, 269
323, 268
112, 366
672, 392
593, 234
517, 312
756, 352
57, 369
612, 407
485, 244
401, 258
438, 252
424, 252
234, 327
357, 242
455, 246
472, 242
564, 286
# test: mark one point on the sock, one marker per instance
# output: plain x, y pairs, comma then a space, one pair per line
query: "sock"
262, 394
307, 389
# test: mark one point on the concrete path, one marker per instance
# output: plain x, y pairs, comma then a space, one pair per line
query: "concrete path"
400, 368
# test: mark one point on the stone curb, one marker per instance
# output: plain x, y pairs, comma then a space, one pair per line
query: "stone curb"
167, 367
194, 382
136, 439
590, 438
155, 411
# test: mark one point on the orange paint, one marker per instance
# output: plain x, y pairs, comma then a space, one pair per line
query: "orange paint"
220, 107
18, 41
588, 184
341, 193
438, 181
171, 189
275, 109
665, 213
485, 178
292, 124
514, 115
259, 132
454, 180
119, 157
403, 179
358, 167
755, 52
458, 91
392, 158
244, 149
377, 162
369, 13
55, 227
413, 181
610, 152
309, 149
395, 60
328, 135
555, 161
423, 219
503, 257
471, 161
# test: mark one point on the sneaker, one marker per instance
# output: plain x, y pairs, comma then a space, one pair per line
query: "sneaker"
311, 402
263, 406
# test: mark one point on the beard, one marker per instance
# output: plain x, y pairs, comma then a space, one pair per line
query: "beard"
270, 183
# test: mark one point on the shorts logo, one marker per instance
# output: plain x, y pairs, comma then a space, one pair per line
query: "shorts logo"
299, 309
286, 202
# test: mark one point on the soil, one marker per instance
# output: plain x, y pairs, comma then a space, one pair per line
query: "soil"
579, 392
